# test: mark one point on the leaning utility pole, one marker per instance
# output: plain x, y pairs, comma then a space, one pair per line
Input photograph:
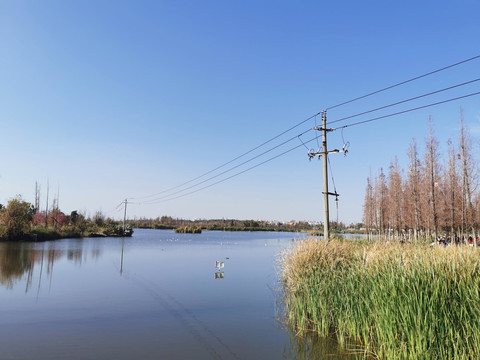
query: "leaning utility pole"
324, 153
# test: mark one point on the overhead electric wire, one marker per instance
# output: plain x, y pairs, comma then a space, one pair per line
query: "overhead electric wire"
231, 176
403, 82
403, 101
313, 139
230, 169
408, 110
298, 136
229, 162
304, 121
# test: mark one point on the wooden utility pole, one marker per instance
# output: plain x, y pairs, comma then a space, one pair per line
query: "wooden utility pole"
324, 152
124, 215
326, 216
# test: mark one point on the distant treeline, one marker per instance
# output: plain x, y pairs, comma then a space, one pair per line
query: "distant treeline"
23, 221
167, 222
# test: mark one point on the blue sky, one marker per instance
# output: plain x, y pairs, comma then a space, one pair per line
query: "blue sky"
107, 100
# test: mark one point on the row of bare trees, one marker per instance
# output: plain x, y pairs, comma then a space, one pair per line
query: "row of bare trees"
436, 196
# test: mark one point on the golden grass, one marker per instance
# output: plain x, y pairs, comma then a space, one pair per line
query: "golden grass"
400, 301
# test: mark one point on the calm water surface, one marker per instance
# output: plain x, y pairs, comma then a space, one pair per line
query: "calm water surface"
156, 295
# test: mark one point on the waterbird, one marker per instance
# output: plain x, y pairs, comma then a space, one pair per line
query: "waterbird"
219, 265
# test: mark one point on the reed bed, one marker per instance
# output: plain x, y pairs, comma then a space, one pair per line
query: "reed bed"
398, 301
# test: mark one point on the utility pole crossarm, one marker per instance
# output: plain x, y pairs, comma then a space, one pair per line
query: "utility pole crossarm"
320, 153
333, 194
319, 128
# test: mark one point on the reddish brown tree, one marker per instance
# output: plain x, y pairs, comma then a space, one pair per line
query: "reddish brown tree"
432, 180
413, 190
381, 200
369, 209
395, 198
469, 176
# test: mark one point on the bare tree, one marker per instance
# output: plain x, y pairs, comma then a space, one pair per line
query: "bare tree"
46, 207
468, 175
369, 209
452, 188
431, 198
381, 193
413, 185
37, 197
395, 197
432, 178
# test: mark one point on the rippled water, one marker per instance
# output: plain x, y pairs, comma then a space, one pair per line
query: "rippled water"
156, 295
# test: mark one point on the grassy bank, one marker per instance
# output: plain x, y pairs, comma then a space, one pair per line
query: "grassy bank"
399, 301
41, 233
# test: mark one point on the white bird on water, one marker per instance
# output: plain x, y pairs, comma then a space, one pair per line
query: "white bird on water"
219, 265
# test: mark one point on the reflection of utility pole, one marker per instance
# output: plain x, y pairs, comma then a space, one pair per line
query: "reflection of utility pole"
51, 261
123, 238
121, 261
30, 275
324, 153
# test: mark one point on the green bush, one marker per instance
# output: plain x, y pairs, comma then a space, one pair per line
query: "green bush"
16, 218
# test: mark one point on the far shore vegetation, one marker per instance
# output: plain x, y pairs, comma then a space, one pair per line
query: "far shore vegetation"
23, 221
167, 222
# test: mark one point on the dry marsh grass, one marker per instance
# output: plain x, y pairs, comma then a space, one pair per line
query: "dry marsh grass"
399, 301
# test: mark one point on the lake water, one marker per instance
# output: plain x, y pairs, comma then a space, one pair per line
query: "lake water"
156, 295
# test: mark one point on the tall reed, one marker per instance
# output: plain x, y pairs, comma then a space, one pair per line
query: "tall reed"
399, 301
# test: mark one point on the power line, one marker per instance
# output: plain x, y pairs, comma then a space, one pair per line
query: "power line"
313, 139
229, 162
408, 110
312, 117
404, 82
404, 101
232, 168
169, 198
231, 176
285, 142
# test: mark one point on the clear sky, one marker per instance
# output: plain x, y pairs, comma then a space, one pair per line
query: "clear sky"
106, 100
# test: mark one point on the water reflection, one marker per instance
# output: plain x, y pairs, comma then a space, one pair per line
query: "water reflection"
15, 261
18, 260
310, 346
121, 258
